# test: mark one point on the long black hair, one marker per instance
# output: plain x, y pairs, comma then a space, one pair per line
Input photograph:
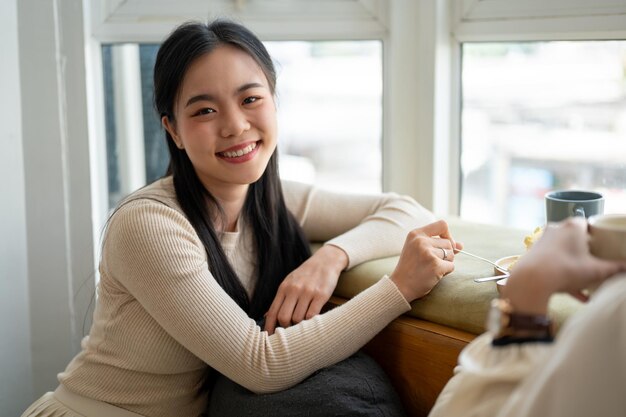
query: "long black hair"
279, 241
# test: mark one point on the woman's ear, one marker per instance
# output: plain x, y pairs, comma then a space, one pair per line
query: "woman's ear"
171, 129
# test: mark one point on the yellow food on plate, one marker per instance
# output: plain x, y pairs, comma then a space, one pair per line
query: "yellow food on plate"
529, 241
533, 237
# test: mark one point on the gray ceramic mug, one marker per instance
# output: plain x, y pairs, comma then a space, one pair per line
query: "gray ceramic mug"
568, 203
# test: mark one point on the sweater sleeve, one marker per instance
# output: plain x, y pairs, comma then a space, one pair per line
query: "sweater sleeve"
152, 251
365, 226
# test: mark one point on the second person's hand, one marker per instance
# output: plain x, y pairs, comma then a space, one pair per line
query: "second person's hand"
559, 261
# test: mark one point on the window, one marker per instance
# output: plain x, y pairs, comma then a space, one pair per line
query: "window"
329, 111
538, 116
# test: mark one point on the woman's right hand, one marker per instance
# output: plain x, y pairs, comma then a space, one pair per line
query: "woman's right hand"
422, 264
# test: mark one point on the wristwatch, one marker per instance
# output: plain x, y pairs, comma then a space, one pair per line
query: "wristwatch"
506, 326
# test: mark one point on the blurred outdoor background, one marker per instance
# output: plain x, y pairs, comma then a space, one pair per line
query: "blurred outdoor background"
535, 116
539, 116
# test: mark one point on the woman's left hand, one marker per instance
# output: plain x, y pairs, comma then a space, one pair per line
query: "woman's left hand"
303, 293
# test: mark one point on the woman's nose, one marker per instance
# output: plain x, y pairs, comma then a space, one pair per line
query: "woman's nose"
234, 123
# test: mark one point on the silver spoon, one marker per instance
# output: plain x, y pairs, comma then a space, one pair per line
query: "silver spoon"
493, 278
498, 267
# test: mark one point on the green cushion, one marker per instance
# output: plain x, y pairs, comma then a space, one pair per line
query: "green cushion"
458, 301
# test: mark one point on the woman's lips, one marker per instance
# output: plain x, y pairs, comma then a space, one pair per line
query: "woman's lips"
240, 153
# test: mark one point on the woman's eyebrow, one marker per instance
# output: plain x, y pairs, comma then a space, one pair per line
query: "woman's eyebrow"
209, 97
199, 97
249, 86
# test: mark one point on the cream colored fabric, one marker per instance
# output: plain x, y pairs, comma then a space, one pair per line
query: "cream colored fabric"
63, 402
162, 323
582, 374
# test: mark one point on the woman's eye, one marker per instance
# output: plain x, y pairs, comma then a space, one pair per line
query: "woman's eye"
204, 111
250, 100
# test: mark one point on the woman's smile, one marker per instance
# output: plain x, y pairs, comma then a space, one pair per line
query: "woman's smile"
240, 153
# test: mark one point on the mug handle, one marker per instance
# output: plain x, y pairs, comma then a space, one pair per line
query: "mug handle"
579, 211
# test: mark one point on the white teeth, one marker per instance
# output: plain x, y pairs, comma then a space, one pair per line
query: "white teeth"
240, 152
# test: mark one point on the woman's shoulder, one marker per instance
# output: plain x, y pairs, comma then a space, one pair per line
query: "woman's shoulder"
154, 203
160, 191
146, 218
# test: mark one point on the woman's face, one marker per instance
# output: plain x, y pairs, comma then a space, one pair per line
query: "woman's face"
225, 119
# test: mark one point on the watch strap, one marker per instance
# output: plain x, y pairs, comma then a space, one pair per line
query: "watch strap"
510, 340
518, 328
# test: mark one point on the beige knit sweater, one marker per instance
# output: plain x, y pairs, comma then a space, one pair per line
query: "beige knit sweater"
162, 323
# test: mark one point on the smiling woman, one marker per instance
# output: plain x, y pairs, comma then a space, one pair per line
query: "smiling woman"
206, 273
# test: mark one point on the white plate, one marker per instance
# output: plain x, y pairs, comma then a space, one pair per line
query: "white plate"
505, 263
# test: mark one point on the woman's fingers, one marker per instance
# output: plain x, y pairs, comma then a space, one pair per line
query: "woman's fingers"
300, 312
443, 248
444, 267
315, 307
272, 313
440, 229
440, 232
427, 256
297, 299
285, 313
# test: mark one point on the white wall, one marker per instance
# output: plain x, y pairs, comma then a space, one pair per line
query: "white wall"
15, 362
46, 239
55, 143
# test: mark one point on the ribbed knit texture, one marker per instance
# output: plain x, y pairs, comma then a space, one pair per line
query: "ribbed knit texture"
162, 323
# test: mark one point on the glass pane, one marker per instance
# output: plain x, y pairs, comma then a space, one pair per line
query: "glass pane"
539, 116
119, 87
329, 112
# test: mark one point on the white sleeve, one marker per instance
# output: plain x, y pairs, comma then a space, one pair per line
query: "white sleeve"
582, 374
365, 226
485, 377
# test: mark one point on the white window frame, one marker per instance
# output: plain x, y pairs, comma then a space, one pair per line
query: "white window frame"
535, 20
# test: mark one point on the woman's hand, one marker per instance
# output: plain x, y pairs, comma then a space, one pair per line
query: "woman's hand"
559, 262
305, 290
422, 264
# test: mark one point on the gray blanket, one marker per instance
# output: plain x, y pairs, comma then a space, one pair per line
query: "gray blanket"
356, 386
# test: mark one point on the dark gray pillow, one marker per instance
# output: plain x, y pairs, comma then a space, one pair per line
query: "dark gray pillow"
356, 386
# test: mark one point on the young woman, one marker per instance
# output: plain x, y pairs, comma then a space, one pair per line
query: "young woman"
191, 262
